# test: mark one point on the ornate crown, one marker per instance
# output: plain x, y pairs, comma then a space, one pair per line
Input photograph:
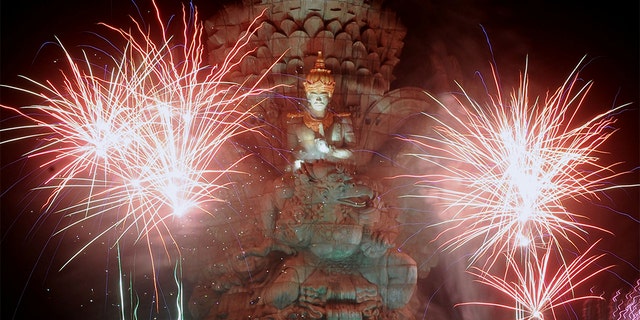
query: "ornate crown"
319, 78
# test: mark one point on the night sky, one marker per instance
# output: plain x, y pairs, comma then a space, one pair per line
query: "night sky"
553, 36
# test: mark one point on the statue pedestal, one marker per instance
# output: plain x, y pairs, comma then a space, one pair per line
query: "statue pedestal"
329, 255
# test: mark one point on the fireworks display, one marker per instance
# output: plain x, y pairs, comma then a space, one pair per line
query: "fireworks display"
515, 162
128, 145
138, 143
141, 139
505, 173
539, 286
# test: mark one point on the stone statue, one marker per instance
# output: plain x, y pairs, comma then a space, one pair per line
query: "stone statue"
314, 232
329, 228
339, 234
317, 133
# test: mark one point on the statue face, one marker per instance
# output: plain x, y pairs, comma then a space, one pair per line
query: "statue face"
318, 101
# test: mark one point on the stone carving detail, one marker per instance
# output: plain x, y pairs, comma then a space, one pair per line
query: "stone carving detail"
360, 40
316, 229
326, 255
340, 231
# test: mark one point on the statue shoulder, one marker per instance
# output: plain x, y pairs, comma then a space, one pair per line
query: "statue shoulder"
294, 117
343, 117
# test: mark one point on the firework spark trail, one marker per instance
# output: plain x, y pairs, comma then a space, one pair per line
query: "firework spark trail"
141, 141
536, 289
514, 162
627, 306
80, 122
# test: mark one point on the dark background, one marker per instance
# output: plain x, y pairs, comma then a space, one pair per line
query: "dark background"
554, 36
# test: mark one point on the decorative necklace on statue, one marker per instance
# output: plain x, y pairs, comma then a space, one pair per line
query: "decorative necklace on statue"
314, 124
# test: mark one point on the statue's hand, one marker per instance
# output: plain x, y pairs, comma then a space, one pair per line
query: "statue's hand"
264, 249
283, 248
322, 146
377, 246
261, 251
341, 153
384, 239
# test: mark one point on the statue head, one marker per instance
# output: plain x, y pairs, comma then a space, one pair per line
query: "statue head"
319, 85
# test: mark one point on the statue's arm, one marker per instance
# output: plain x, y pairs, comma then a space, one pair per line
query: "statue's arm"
349, 135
